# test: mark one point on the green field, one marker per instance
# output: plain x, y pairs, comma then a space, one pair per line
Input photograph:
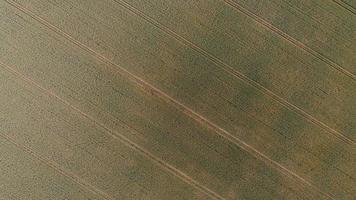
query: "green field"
205, 99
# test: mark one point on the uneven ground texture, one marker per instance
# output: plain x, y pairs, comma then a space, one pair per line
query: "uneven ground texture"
177, 99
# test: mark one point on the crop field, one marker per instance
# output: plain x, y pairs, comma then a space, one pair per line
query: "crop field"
178, 99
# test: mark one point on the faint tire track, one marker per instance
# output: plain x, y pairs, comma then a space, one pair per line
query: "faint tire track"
346, 6
290, 39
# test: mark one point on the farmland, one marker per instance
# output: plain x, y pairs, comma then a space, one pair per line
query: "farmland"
206, 99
